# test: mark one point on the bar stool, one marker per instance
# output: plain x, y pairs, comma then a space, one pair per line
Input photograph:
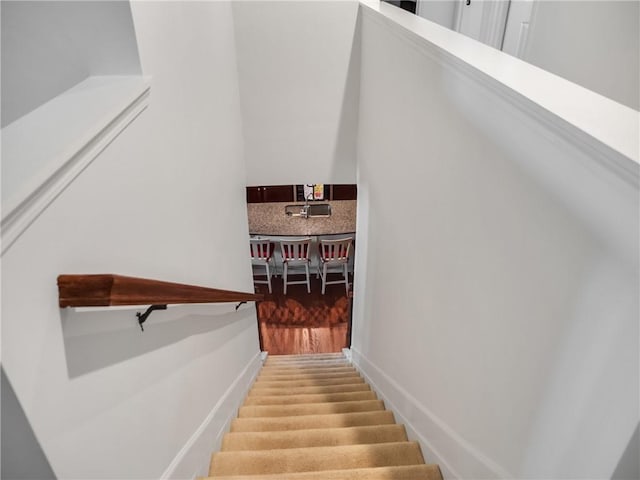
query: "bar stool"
334, 254
262, 254
295, 253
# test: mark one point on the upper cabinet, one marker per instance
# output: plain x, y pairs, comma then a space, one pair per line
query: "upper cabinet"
292, 193
344, 192
271, 193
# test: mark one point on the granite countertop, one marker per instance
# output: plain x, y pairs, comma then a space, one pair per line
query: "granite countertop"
270, 219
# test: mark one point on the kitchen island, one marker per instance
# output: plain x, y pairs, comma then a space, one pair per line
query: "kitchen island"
270, 219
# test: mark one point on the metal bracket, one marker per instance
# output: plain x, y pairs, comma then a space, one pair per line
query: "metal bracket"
142, 317
238, 305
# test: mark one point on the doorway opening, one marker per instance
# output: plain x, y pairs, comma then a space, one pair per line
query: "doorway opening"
301, 318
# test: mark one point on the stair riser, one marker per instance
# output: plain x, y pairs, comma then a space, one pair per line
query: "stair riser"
354, 387
322, 373
308, 382
338, 420
307, 365
316, 356
322, 366
310, 378
310, 409
294, 370
309, 361
326, 373
305, 356
309, 398
314, 438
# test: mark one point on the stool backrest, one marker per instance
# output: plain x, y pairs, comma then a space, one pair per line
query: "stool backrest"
295, 249
335, 250
260, 248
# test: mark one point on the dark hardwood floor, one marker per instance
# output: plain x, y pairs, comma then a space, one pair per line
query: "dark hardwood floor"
302, 322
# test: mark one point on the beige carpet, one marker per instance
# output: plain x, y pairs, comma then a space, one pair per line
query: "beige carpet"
312, 417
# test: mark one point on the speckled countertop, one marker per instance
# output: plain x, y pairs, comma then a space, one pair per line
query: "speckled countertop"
270, 219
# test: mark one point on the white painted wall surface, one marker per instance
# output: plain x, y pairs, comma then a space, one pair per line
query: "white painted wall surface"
49, 46
506, 332
298, 84
592, 43
442, 12
165, 200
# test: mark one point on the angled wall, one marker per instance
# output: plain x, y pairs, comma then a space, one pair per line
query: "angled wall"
164, 200
496, 295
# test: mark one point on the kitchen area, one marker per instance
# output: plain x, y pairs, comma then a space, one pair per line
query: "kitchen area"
303, 241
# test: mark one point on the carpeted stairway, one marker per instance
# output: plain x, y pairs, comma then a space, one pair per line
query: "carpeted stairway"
312, 417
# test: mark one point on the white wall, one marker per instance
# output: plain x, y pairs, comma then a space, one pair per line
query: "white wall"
495, 305
592, 43
298, 83
165, 200
49, 46
442, 12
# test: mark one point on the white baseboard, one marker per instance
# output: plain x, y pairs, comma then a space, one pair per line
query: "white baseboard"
347, 353
193, 459
456, 457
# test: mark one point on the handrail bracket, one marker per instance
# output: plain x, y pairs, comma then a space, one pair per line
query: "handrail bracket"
142, 317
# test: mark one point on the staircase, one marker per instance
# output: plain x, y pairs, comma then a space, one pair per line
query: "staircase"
312, 417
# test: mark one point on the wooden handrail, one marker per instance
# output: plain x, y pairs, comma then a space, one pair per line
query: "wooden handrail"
103, 290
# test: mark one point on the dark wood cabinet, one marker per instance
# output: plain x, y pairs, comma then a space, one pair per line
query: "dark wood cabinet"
277, 193
270, 193
344, 192
292, 193
254, 194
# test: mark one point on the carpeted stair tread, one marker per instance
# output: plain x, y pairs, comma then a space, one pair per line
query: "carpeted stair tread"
309, 398
306, 369
313, 417
307, 382
306, 376
405, 472
321, 437
335, 420
315, 458
345, 387
308, 363
310, 408
275, 371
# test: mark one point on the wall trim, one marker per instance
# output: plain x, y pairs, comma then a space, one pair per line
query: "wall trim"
456, 457
63, 163
192, 459
613, 154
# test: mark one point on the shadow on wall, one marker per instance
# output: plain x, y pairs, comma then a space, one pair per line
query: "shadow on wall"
22, 456
629, 465
98, 339
345, 151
